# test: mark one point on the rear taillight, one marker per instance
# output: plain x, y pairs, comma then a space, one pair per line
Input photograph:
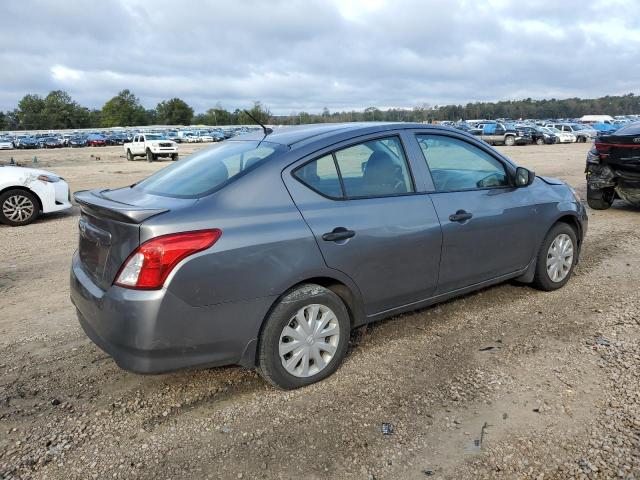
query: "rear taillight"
149, 265
602, 149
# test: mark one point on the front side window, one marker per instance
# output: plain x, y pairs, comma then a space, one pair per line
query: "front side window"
208, 170
457, 165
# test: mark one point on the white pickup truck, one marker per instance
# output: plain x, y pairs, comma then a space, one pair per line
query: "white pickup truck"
152, 146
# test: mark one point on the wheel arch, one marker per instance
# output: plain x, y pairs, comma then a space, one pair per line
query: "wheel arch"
574, 223
568, 219
348, 294
25, 189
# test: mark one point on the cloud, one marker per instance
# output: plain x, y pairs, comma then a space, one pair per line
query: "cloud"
307, 54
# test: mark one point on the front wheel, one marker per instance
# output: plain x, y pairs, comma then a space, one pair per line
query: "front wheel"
556, 258
509, 141
18, 207
174, 157
540, 141
150, 156
305, 338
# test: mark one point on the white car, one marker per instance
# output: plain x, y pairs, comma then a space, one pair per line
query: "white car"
563, 137
205, 137
6, 144
25, 193
152, 146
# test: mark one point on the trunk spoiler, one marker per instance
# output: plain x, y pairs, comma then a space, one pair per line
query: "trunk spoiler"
93, 202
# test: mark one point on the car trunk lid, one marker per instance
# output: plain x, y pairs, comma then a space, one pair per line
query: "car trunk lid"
109, 227
620, 151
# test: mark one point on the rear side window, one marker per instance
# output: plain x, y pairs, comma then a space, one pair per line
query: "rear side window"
322, 176
208, 170
376, 168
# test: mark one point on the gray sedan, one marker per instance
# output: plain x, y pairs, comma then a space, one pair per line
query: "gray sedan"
267, 250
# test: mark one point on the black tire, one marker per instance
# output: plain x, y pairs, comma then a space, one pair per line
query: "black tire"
509, 141
542, 280
174, 157
11, 197
600, 198
540, 141
269, 362
150, 156
130, 156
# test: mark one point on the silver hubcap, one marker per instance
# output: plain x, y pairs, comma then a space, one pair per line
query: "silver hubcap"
18, 208
560, 257
309, 341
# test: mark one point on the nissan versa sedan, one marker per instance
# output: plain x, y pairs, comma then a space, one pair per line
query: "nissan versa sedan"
267, 250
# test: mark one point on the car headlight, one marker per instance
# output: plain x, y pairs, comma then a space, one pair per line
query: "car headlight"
574, 192
48, 178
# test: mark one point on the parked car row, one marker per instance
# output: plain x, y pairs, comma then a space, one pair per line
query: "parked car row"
105, 138
508, 132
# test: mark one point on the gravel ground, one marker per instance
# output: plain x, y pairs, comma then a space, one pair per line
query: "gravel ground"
505, 383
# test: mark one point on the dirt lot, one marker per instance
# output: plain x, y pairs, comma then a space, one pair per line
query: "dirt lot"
505, 383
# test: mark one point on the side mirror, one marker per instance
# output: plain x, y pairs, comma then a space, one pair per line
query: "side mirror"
524, 177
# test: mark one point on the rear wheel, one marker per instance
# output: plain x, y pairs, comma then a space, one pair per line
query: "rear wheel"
305, 338
540, 141
509, 141
556, 258
150, 156
600, 198
18, 207
129, 155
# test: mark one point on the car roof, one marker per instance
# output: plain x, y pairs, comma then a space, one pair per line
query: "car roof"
291, 136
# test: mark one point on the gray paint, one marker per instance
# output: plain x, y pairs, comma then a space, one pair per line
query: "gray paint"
406, 253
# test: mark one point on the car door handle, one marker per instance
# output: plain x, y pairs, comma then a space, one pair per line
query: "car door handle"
460, 216
338, 233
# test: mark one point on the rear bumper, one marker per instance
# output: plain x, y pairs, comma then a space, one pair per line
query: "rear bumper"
155, 331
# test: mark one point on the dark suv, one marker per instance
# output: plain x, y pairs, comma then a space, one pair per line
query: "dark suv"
538, 136
613, 168
501, 134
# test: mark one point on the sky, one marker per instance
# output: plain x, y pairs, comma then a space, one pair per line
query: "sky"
304, 55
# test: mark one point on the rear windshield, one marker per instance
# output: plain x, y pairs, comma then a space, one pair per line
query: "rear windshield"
208, 170
632, 129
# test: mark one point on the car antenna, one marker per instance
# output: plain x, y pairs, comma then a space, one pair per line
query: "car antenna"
266, 130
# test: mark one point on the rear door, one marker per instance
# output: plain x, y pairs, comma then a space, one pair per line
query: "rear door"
487, 225
370, 222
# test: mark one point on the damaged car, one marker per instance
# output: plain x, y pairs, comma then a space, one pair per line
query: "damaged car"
613, 168
25, 193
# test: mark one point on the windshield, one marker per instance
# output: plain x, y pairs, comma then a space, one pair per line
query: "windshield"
209, 170
150, 136
553, 129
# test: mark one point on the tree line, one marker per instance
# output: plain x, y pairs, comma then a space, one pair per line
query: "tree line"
58, 110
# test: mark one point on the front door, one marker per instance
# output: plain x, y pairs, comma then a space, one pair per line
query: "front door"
361, 204
487, 225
